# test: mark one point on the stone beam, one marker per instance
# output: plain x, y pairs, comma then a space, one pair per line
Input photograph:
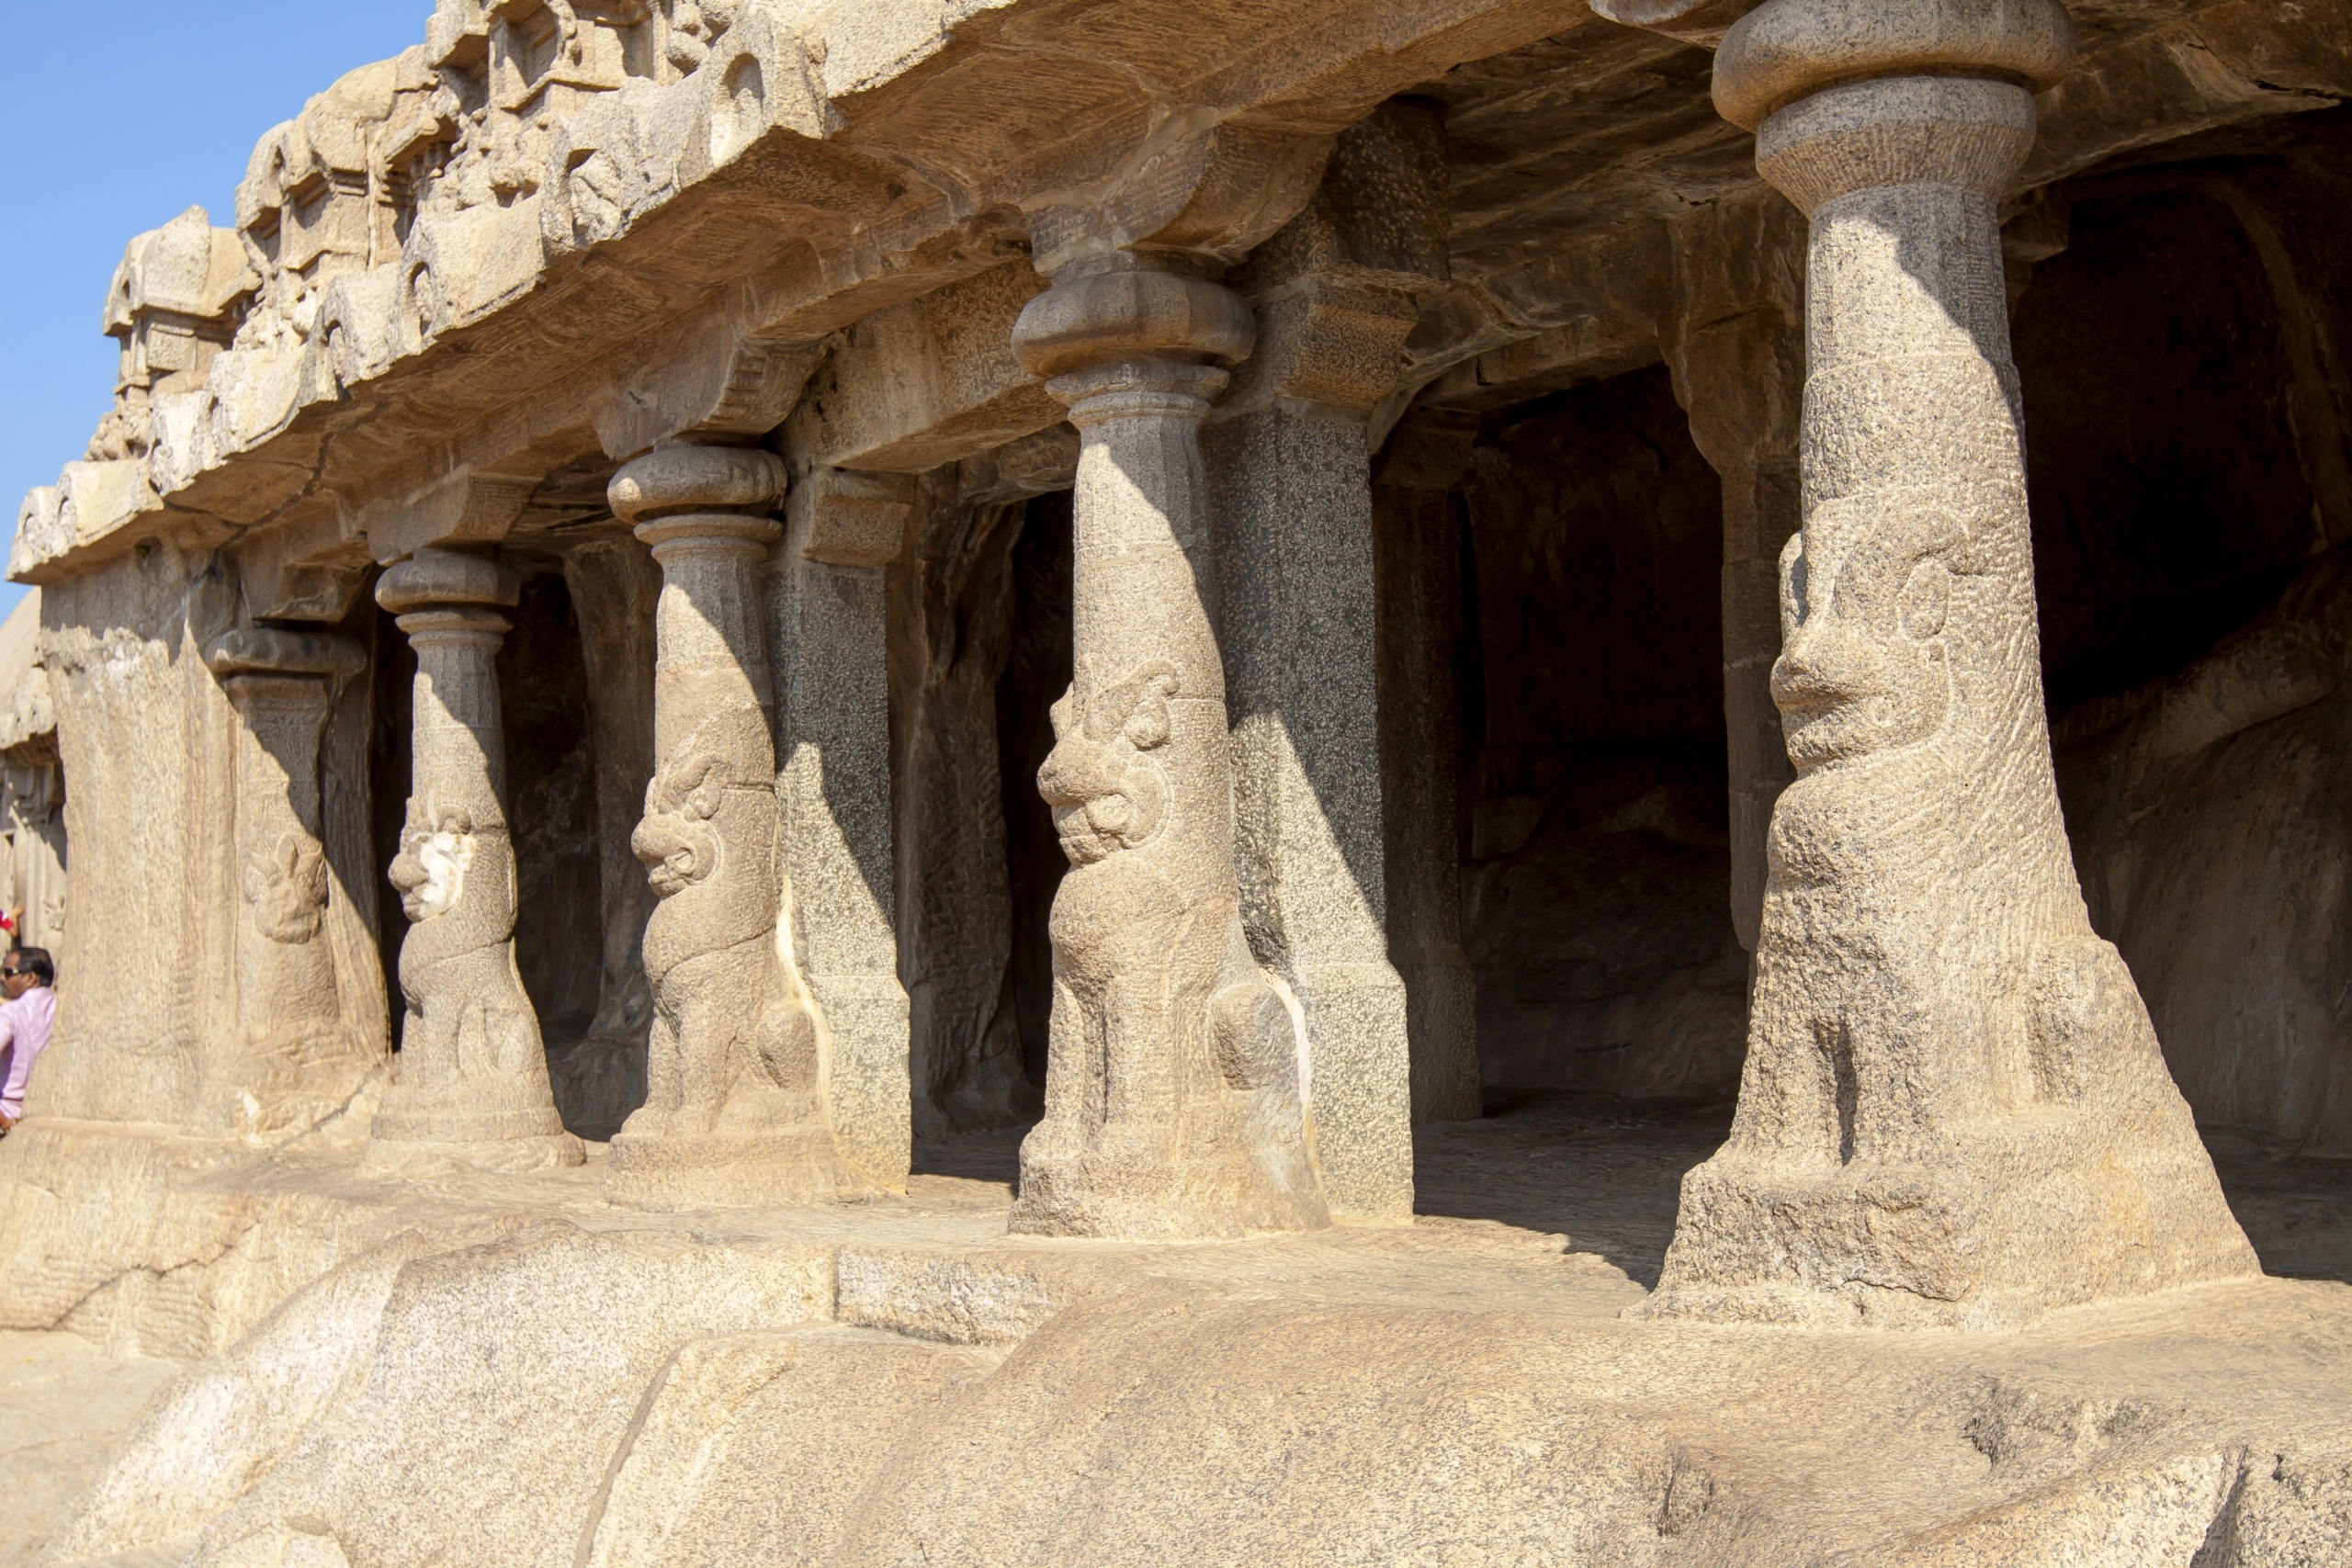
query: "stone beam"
1702, 22
1591, 348
310, 572
1584, 310
719, 381
465, 506
2220, 65
928, 382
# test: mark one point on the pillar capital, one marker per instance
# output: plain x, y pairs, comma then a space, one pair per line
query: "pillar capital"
1788, 50
1128, 334
280, 650
696, 481
1842, 100
435, 579
1968, 133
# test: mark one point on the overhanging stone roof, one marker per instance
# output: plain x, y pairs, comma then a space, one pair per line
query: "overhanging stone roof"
478, 256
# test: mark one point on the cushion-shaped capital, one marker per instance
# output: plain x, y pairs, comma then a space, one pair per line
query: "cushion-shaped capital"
284, 650
1787, 48
431, 578
1104, 317
697, 478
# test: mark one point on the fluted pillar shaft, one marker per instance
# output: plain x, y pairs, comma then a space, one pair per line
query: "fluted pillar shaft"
1174, 1105
473, 1072
734, 1113
297, 1063
1953, 1112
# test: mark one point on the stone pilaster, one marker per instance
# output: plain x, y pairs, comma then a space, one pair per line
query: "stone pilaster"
1290, 476
1174, 1105
1954, 1112
473, 1075
829, 606
1418, 541
735, 1106
297, 1061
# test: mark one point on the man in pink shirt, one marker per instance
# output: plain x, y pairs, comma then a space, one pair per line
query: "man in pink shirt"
26, 976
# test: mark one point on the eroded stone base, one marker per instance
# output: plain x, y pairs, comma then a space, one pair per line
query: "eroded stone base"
542, 1151
1126, 1189
2021, 1216
729, 1170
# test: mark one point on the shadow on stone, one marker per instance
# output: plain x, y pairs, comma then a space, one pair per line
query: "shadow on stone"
1604, 1171
1607, 1173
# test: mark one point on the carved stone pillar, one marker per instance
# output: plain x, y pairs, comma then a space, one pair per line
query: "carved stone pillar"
473, 1071
297, 1063
1173, 1101
1954, 1112
734, 1113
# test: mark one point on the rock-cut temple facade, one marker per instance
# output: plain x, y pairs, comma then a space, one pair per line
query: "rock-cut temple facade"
1103, 782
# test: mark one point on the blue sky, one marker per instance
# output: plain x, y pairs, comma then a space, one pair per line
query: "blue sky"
117, 116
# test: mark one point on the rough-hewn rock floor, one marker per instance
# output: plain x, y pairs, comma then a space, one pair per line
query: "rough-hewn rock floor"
1942, 1428
1605, 1173
63, 1400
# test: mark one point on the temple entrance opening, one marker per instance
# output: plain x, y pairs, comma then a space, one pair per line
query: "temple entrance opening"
1595, 860
980, 650
1036, 673
2187, 420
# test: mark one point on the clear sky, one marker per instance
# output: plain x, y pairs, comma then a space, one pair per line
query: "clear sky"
118, 118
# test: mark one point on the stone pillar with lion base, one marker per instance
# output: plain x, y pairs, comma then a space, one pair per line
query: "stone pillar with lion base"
1954, 1112
473, 1071
735, 1112
1174, 1106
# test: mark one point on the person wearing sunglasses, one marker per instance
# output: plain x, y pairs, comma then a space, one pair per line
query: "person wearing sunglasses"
26, 976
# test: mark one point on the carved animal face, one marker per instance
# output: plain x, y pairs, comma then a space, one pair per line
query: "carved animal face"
676, 841
1106, 794
287, 886
1864, 664
436, 850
